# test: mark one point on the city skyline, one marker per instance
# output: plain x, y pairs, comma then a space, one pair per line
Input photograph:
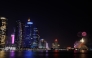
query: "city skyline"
53, 21
45, 29
23, 30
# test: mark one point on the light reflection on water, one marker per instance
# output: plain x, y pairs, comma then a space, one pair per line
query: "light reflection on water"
46, 53
28, 54
56, 55
83, 56
75, 56
2, 54
19, 53
12, 53
40, 54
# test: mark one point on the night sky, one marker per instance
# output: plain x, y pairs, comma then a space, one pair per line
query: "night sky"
60, 20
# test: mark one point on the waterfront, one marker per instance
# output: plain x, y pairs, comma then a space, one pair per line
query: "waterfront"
41, 54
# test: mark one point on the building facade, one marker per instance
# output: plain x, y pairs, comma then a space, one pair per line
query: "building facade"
3, 31
19, 34
35, 38
28, 34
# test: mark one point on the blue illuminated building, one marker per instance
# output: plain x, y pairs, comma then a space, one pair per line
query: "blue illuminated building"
28, 34
35, 38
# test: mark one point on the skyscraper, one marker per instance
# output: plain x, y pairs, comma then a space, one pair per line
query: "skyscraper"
28, 34
35, 38
3, 31
19, 34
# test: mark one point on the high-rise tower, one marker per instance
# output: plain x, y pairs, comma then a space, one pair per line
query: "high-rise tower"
3, 31
35, 38
19, 34
28, 34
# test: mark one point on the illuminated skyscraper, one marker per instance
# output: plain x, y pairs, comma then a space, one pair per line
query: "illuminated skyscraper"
3, 31
19, 34
28, 34
35, 38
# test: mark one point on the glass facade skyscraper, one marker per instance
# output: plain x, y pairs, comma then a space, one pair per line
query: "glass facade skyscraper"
28, 34
35, 38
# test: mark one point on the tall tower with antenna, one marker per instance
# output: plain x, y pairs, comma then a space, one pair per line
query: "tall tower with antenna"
28, 35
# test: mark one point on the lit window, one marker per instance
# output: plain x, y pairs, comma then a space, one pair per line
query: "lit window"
26, 26
29, 22
31, 38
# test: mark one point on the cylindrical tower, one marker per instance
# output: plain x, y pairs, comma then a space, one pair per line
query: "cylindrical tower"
3, 31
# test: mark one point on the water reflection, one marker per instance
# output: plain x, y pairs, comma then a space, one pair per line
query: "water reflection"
46, 53
20, 53
2, 54
28, 54
39, 54
83, 55
56, 55
76, 56
12, 54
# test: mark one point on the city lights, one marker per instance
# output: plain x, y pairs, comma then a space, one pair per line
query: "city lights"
58, 45
82, 40
55, 39
3, 31
45, 29
12, 38
3, 18
31, 38
29, 22
10, 48
42, 39
55, 44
